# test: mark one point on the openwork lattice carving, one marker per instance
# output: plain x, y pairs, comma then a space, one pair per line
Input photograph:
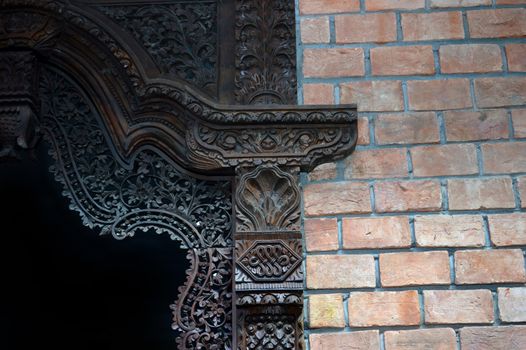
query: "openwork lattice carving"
130, 196
203, 312
150, 193
181, 37
139, 146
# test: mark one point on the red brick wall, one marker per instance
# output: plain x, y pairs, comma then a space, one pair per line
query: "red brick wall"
417, 240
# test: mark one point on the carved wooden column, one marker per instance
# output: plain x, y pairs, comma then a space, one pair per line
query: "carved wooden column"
268, 258
18, 101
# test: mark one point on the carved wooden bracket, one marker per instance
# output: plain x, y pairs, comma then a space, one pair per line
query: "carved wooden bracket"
121, 94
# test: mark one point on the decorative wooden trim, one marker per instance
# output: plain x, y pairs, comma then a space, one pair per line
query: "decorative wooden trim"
221, 179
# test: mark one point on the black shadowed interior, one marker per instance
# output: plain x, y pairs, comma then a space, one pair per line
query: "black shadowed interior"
65, 286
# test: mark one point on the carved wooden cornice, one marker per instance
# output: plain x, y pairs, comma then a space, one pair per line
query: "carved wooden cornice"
134, 93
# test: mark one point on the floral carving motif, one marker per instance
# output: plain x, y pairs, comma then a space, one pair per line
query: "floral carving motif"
203, 311
150, 185
180, 37
270, 332
150, 193
265, 52
270, 298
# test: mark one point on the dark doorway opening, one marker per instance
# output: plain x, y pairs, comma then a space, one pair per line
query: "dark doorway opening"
67, 287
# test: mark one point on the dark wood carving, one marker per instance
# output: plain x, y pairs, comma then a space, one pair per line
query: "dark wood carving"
181, 37
139, 144
265, 52
148, 193
268, 256
18, 98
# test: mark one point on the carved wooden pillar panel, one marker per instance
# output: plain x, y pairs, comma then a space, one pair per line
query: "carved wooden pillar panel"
268, 258
127, 93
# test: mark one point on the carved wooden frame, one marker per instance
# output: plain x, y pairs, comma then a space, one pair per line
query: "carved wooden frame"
222, 179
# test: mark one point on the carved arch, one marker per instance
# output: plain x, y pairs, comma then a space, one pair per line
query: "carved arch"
139, 150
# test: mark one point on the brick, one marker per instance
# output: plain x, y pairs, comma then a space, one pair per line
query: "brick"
481, 58
315, 30
512, 304
516, 55
474, 126
414, 268
374, 233
368, 309
458, 3
363, 131
410, 128
326, 310
480, 194
519, 122
500, 92
340, 271
401, 196
362, 340
333, 62
439, 94
489, 266
504, 157
521, 184
421, 339
381, 28
326, 171
507, 229
432, 26
493, 338
498, 23
374, 96
337, 198
311, 7
449, 231
439, 160
382, 5
318, 94
379, 163
321, 234
402, 60
458, 306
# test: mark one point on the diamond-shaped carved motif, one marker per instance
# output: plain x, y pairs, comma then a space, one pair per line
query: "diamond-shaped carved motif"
269, 261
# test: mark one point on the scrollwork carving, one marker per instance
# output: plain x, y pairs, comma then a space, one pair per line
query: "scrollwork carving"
268, 261
203, 311
147, 194
132, 196
181, 37
263, 263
